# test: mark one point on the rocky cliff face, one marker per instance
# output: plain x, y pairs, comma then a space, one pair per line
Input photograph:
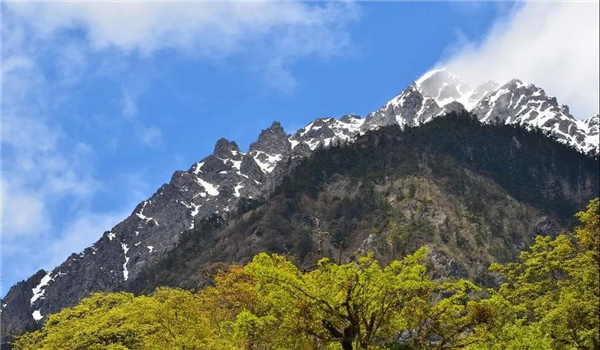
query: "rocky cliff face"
589, 127
217, 184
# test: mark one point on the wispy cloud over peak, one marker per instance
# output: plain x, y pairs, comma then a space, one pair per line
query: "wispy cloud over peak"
551, 44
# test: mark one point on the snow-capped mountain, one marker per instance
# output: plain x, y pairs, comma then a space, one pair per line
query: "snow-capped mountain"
445, 87
217, 183
439, 92
526, 104
213, 185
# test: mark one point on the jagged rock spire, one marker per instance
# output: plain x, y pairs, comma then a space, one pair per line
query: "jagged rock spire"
272, 140
226, 149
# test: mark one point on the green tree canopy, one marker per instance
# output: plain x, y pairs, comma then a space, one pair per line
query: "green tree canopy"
549, 299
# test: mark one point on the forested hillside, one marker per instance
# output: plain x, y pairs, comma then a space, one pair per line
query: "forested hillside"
472, 193
548, 300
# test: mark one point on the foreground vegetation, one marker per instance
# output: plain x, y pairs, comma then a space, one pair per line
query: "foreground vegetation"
549, 299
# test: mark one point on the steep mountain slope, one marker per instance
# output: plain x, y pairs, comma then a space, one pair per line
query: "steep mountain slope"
472, 193
228, 182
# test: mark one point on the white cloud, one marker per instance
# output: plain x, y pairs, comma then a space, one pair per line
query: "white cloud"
283, 31
149, 136
25, 215
130, 108
554, 45
44, 170
35, 169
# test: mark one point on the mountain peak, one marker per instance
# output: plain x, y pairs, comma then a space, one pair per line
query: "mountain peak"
271, 148
593, 120
276, 127
444, 87
514, 82
272, 140
348, 118
226, 149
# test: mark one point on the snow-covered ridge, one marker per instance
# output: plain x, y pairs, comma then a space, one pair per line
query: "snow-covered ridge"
217, 182
528, 105
324, 132
438, 92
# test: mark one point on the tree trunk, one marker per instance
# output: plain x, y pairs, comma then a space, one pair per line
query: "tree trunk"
347, 344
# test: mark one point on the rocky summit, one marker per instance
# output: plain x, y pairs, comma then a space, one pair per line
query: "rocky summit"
229, 178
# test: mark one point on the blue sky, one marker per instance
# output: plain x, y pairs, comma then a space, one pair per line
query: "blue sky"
101, 103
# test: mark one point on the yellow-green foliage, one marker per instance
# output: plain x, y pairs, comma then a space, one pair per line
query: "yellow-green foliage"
549, 300
550, 297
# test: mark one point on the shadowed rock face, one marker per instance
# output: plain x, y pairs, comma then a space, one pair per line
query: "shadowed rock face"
272, 141
218, 182
591, 124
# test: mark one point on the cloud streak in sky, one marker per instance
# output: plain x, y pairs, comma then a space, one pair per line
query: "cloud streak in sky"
553, 45
283, 31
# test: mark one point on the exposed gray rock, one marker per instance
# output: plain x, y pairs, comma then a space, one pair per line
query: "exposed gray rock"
272, 141
324, 132
547, 227
227, 149
589, 127
16, 310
